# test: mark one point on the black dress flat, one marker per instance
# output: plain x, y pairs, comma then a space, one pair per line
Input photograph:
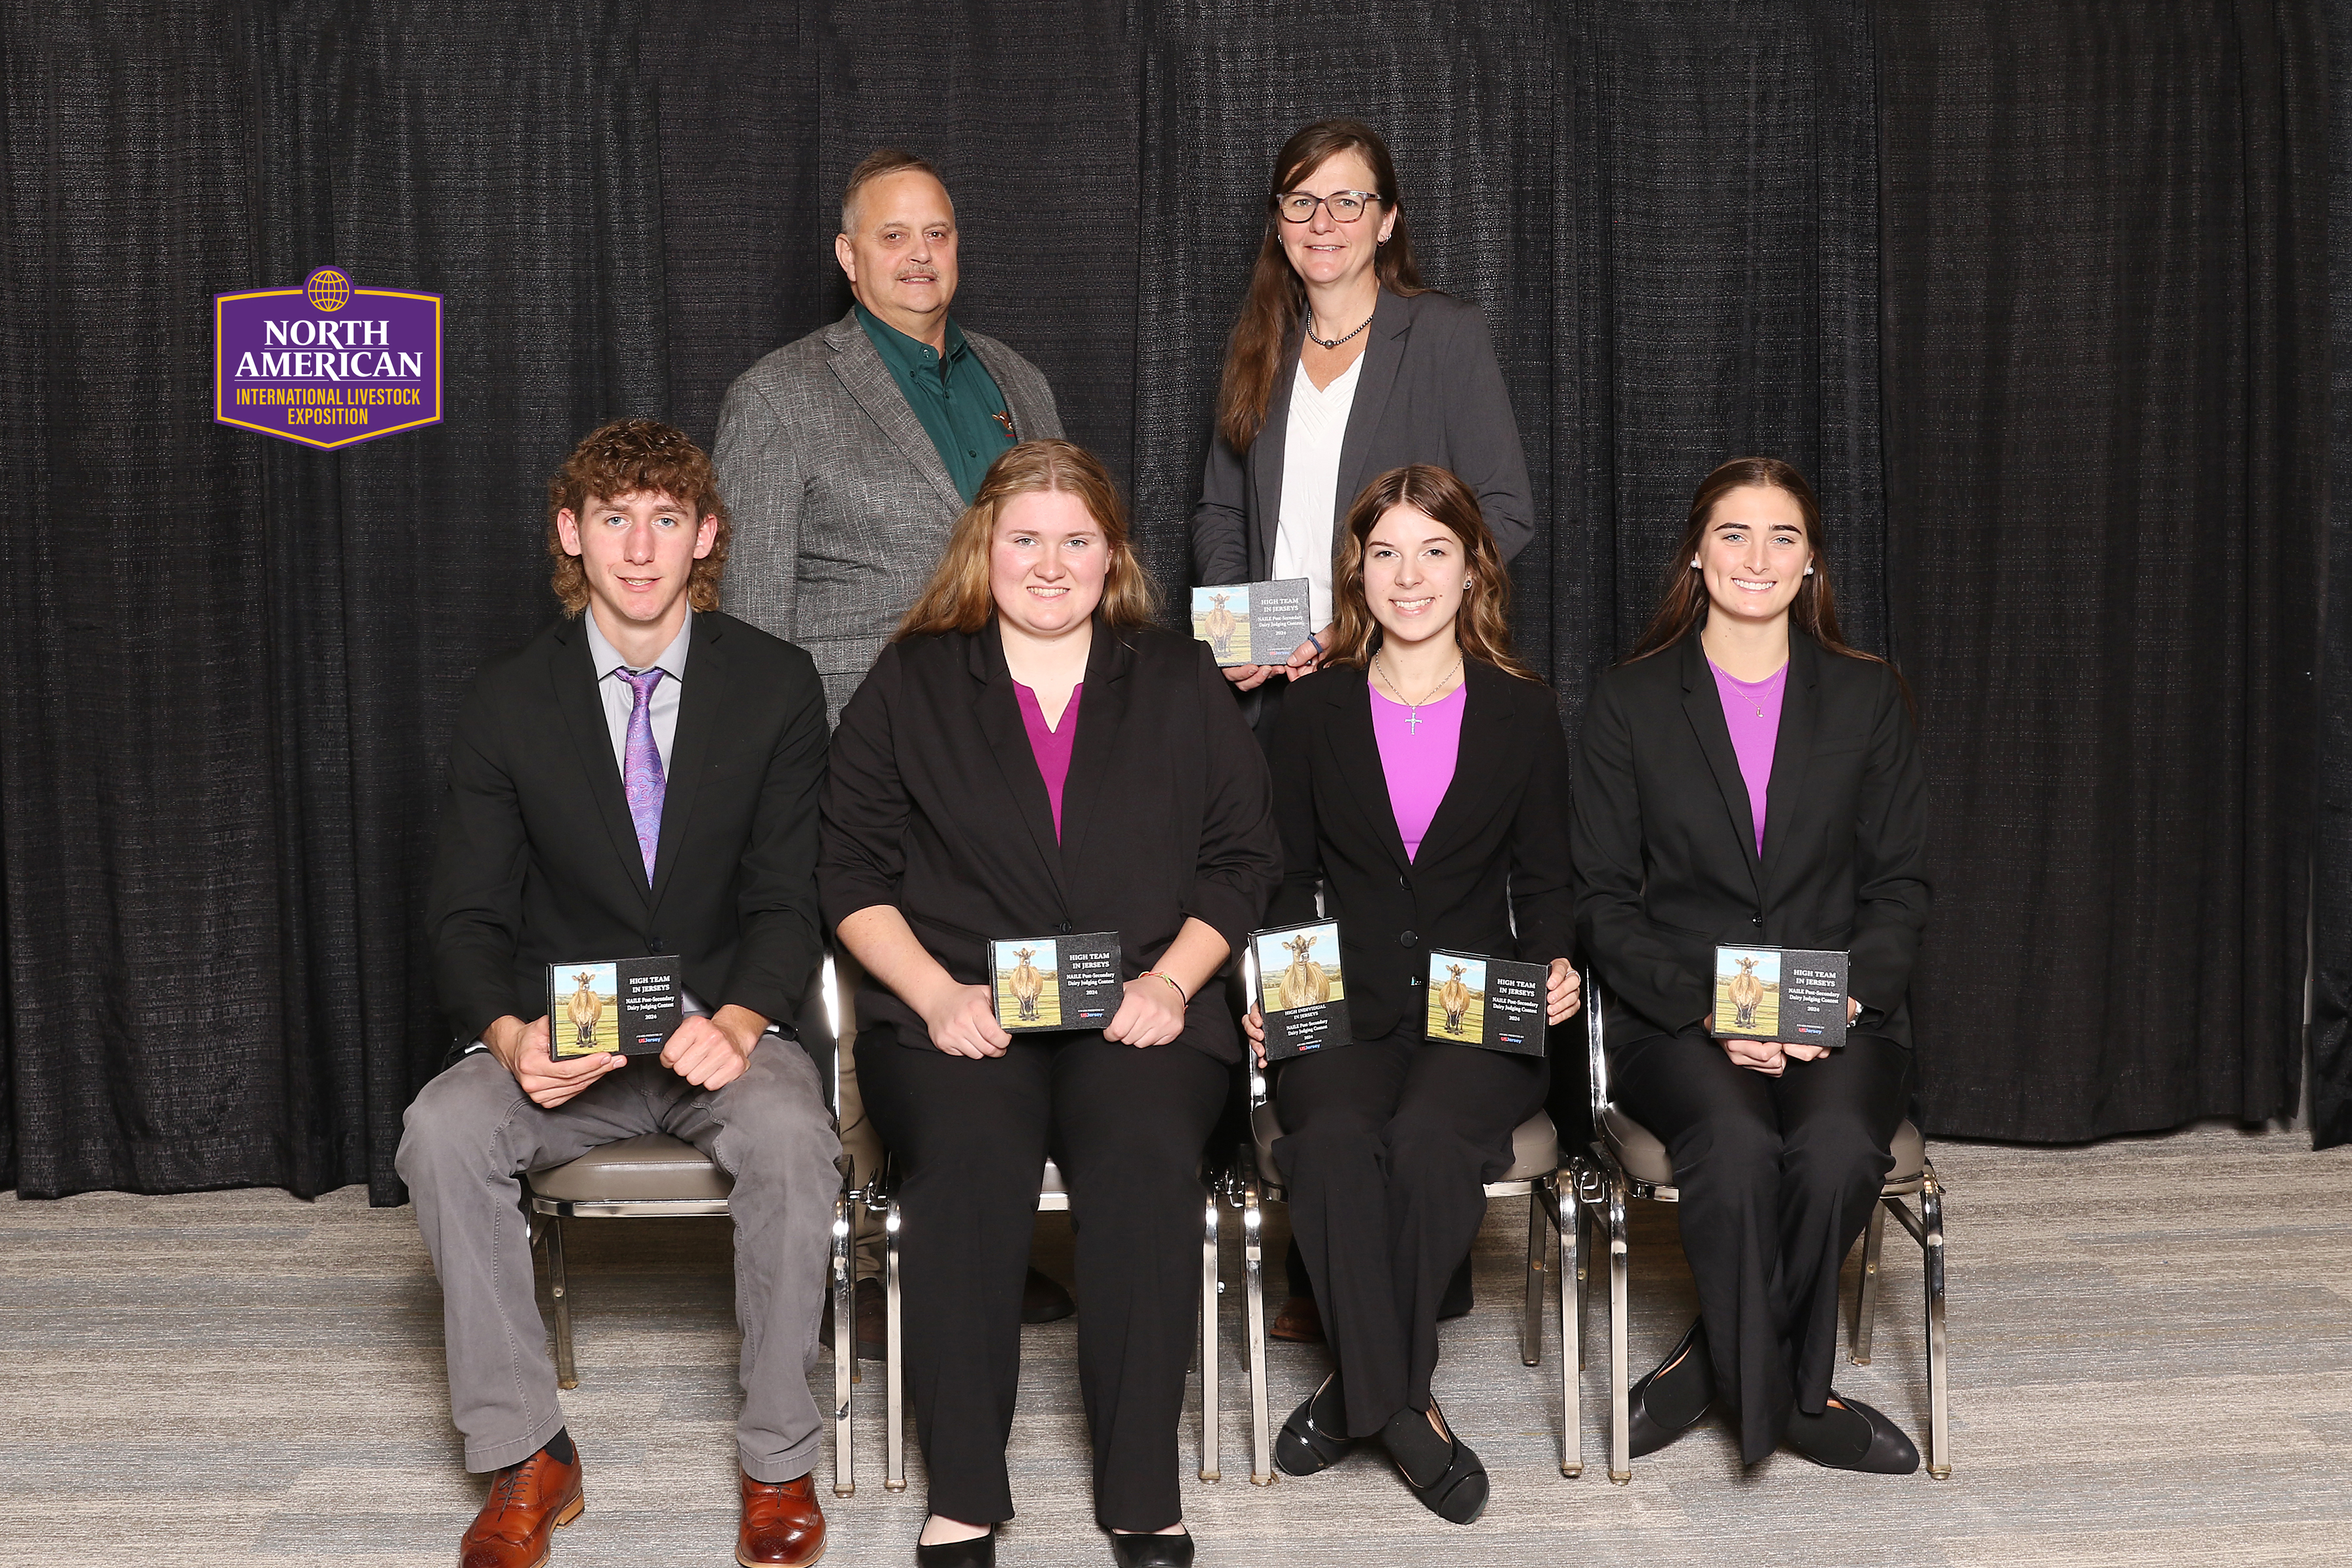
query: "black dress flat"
1856, 1438
1439, 1467
1671, 1397
980, 1551
1152, 1550
1315, 1436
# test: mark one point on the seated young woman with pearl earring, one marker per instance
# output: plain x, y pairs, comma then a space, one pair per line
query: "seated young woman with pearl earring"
1421, 783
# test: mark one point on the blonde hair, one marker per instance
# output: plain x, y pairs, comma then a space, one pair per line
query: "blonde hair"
1482, 627
958, 599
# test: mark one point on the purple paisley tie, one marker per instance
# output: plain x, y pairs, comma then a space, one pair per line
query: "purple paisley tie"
641, 774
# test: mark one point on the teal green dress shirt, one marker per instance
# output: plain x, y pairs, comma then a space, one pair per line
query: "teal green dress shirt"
959, 403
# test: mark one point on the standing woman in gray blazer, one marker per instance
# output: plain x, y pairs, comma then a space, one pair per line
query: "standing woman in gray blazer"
1342, 365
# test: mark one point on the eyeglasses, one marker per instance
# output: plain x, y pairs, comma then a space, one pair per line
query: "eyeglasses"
1346, 206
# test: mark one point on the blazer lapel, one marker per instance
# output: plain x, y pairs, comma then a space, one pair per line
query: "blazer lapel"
583, 715
1392, 324
1703, 704
1792, 747
1102, 709
1477, 763
1029, 421
1008, 740
702, 699
1357, 750
1265, 468
869, 380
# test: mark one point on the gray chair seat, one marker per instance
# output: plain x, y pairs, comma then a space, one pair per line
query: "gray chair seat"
1535, 1146
1644, 1157
656, 1168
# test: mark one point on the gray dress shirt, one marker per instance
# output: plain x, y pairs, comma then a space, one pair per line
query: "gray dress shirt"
621, 699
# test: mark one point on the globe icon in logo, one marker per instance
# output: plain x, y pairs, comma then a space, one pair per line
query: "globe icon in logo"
327, 289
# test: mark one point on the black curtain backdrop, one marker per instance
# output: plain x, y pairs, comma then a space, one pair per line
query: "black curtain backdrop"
2089, 530
2105, 448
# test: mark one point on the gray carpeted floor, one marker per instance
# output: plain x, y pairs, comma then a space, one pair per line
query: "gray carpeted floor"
2152, 1363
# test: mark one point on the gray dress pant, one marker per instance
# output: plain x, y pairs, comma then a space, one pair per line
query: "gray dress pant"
472, 1132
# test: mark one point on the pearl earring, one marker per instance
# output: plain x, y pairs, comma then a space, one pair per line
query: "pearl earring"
1693, 563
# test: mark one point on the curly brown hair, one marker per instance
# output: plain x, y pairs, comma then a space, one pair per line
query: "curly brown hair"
1482, 628
636, 457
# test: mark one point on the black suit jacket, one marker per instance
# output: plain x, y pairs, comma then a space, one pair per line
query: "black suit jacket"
538, 861
1497, 848
1430, 392
935, 805
1665, 843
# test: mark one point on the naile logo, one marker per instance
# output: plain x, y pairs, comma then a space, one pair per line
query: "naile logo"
327, 364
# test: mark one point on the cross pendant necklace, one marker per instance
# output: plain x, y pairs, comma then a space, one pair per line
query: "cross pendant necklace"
1411, 708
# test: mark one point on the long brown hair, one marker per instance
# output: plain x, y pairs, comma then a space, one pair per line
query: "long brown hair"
636, 457
1683, 604
958, 599
1277, 296
1482, 628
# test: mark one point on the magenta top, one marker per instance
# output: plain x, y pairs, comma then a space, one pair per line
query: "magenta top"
1418, 748
1050, 746
1751, 711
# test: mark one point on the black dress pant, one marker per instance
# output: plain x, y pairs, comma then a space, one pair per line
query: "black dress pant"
1777, 1177
1127, 1127
1386, 1150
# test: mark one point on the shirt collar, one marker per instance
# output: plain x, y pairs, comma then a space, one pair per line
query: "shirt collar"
607, 659
902, 352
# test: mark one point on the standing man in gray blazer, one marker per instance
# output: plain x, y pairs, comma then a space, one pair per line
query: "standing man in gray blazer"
845, 460
846, 457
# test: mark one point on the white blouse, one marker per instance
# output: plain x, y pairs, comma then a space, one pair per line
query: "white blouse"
1310, 483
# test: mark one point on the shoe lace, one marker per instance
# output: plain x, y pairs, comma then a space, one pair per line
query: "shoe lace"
507, 1485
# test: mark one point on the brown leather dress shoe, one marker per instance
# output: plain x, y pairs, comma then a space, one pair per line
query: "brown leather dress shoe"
1298, 1322
526, 1504
783, 1526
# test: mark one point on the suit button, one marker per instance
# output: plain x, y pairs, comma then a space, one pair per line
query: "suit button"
1756, 921
1407, 938
1063, 929
653, 944
1405, 883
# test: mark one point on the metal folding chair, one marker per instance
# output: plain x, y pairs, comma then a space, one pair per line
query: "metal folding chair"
660, 1177
1537, 1174
1628, 1161
1053, 1198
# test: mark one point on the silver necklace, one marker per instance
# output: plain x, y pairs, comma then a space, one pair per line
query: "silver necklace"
1412, 708
1334, 342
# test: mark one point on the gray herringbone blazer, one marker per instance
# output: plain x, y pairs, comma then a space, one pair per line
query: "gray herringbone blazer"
840, 503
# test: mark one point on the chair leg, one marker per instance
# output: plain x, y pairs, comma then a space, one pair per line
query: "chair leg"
567, 1375
1865, 1297
1254, 1280
1531, 1322
1931, 1248
1572, 1353
1210, 1288
1583, 1274
1621, 1456
894, 1351
845, 1347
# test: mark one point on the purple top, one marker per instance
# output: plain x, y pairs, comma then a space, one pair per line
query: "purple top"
1418, 748
1751, 711
1050, 746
